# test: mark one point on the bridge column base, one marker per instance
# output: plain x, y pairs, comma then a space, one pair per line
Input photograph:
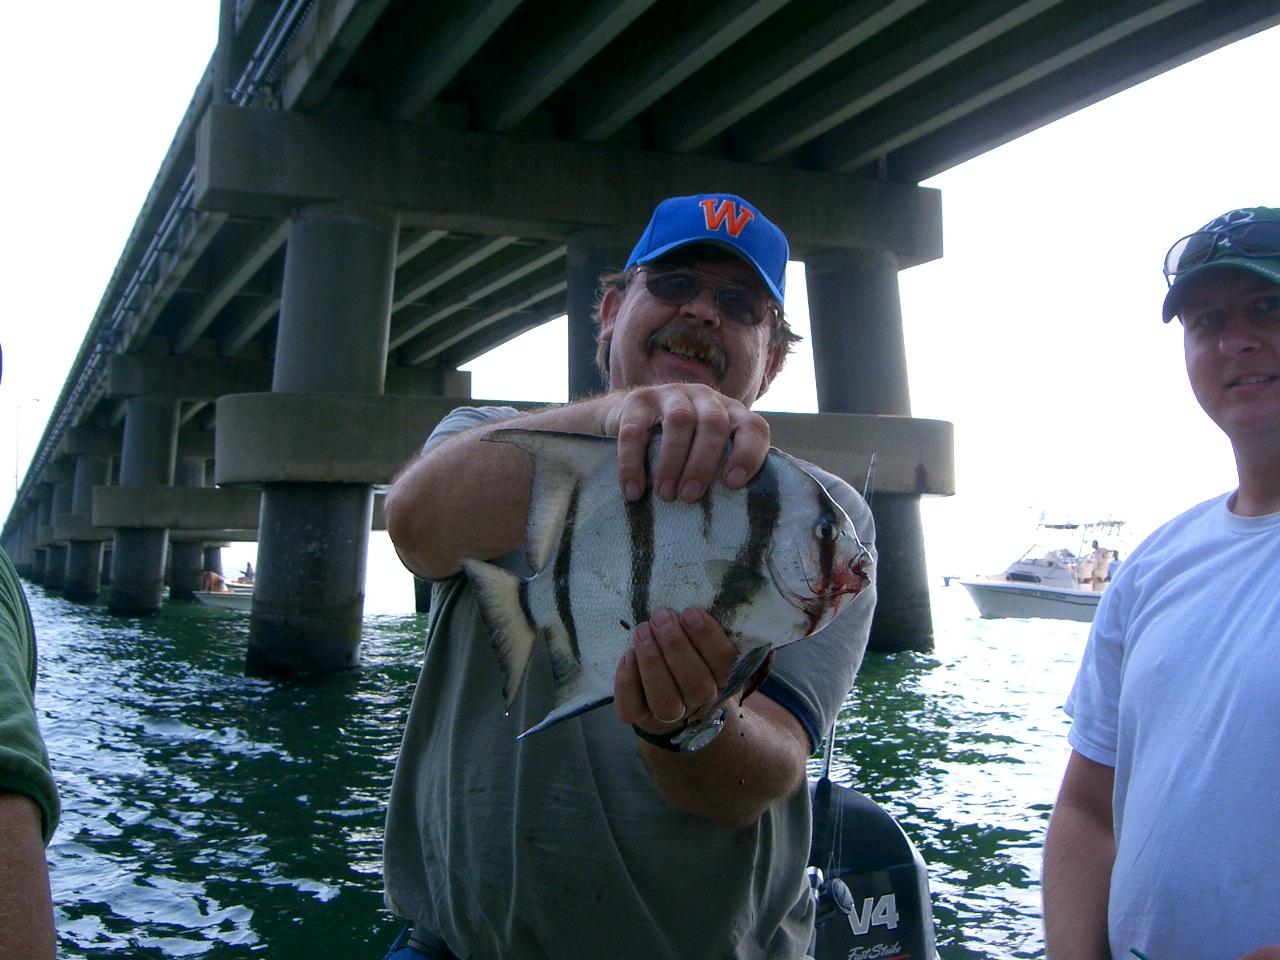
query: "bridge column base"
904, 616
137, 571
84, 570
308, 600
84, 557
55, 566
212, 560
186, 562
860, 366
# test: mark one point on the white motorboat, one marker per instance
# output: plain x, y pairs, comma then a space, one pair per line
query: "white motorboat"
235, 597
1055, 583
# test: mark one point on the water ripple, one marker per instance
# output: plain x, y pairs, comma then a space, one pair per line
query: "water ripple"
207, 814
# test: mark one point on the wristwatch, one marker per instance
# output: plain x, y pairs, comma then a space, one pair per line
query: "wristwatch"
687, 739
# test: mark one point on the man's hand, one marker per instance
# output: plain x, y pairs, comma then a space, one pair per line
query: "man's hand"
697, 422
676, 667
674, 672
467, 498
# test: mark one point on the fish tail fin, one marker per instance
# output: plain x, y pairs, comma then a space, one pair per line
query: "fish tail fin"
575, 692
500, 596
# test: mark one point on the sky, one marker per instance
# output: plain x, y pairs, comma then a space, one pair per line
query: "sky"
1037, 334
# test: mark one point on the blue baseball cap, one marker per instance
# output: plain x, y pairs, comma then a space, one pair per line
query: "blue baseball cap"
719, 218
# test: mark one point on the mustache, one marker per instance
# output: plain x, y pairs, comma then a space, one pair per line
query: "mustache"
690, 342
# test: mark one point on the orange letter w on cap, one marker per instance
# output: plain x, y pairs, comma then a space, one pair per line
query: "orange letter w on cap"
728, 213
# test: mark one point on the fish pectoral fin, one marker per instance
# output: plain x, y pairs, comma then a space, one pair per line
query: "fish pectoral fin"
560, 461
576, 691
744, 672
511, 631
759, 676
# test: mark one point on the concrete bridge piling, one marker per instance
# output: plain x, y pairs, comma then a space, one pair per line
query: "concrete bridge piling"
335, 319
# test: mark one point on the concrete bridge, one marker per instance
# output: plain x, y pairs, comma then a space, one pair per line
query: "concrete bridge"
367, 194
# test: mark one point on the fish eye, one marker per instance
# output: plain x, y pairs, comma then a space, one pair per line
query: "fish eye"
826, 530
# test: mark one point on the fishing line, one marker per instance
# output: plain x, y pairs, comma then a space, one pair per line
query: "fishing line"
831, 734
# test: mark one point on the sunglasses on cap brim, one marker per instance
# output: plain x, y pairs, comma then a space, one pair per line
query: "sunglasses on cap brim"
1257, 239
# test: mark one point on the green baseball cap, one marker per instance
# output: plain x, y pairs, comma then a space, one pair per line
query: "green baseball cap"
1247, 239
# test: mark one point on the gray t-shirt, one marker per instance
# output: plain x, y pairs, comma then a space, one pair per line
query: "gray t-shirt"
559, 845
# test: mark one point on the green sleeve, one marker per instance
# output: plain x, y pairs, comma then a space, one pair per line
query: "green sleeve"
24, 763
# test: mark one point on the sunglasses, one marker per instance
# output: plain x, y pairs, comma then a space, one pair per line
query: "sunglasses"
734, 302
1256, 239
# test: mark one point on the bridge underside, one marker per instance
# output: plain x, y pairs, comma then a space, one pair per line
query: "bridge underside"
365, 195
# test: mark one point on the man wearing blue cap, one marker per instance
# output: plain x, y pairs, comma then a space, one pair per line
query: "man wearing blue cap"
1165, 839
607, 835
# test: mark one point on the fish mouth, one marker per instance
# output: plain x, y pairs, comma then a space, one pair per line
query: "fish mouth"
826, 596
846, 580
690, 343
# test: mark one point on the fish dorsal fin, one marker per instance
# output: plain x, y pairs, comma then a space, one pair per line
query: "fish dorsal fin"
560, 462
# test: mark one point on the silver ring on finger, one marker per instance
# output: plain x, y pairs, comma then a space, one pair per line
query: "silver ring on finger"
676, 719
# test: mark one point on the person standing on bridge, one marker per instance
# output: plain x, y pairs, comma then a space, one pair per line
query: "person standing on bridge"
599, 837
1165, 839
29, 806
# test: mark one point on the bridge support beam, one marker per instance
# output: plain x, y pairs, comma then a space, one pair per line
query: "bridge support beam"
186, 557
589, 255
55, 559
32, 560
212, 559
84, 557
313, 538
138, 554
860, 366
44, 527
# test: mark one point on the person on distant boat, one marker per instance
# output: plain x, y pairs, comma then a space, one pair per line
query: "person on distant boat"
603, 835
29, 804
1165, 839
1101, 564
1114, 566
1084, 571
246, 576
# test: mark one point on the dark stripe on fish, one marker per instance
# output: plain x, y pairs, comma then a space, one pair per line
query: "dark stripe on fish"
563, 571
522, 594
640, 527
744, 579
827, 553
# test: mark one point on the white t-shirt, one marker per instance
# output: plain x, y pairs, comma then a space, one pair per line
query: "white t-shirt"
1179, 691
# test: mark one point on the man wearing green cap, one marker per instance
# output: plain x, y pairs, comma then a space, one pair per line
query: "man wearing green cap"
1165, 839
660, 829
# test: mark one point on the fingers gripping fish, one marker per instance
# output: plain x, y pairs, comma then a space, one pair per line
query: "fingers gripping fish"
772, 562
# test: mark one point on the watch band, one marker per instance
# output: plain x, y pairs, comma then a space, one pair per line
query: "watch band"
687, 739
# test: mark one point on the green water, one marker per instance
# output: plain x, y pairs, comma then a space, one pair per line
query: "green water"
207, 814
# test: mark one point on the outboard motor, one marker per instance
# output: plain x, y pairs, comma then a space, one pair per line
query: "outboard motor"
870, 882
